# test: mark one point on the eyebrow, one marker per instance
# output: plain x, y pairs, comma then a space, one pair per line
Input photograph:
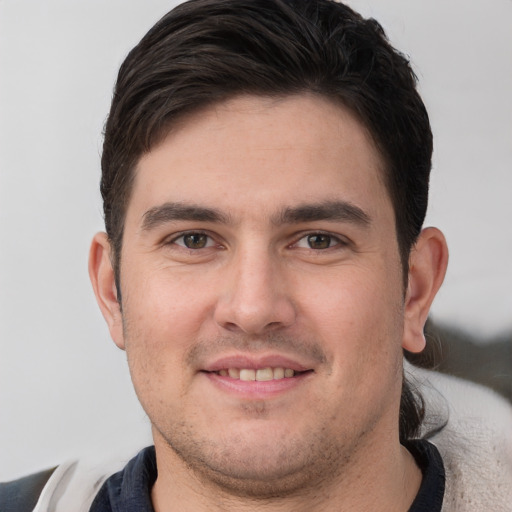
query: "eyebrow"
329, 210
169, 212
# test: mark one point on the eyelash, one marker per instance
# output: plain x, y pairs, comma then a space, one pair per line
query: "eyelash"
174, 241
332, 240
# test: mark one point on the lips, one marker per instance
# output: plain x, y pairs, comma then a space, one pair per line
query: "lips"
252, 371
242, 366
253, 376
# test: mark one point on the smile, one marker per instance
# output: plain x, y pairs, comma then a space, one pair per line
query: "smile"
257, 378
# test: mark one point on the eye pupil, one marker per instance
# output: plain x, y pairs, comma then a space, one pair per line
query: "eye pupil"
195, 240
319, 241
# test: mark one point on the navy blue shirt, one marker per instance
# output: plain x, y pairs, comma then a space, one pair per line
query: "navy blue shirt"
431, 493
130, 489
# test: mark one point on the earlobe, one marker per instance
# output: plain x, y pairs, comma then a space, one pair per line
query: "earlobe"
102, 278
427, 268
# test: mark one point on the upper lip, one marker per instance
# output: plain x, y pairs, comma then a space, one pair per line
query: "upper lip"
255, 361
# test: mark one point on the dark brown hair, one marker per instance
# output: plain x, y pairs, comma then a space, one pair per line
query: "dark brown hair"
206, 51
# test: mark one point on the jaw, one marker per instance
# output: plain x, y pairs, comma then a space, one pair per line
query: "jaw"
279, 470
256, 462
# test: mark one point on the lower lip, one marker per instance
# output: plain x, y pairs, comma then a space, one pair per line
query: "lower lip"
254, 389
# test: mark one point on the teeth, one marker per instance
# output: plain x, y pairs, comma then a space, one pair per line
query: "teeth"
279, 373
247, 374
262, 374
234, 373
265, 374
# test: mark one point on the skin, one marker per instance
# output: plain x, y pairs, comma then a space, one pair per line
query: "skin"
268, 282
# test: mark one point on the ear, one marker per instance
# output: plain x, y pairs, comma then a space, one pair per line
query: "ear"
427, 267
102, 278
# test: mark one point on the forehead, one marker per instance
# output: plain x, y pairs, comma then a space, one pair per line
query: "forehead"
275, 152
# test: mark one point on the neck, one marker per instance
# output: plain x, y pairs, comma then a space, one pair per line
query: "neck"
381, 476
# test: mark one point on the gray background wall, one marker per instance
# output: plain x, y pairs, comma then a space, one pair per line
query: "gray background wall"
64, 387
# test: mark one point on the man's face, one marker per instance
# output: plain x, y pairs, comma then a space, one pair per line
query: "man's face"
260, 244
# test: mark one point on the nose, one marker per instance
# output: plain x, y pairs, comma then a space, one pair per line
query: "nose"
254, 297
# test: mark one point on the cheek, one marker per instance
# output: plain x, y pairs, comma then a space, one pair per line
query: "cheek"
161, 319
162, 302
358, 300
358, 317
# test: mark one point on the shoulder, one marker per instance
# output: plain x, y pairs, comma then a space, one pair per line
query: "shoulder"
475, 442
22, 494
72, 485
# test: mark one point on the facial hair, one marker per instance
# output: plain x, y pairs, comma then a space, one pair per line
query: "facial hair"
242, 463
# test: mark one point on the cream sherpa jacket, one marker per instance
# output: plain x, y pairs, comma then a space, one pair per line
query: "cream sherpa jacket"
476, 446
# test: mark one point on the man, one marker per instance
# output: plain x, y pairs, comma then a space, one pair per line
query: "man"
265, 181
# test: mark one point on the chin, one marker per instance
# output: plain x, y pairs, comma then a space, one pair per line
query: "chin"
258, 479
259, 465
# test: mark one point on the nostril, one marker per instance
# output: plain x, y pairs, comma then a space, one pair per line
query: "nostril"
231, 327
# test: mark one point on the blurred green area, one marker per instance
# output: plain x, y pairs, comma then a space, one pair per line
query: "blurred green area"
456, 352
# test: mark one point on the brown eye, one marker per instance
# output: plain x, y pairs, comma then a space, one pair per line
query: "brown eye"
319, 241
195, 240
